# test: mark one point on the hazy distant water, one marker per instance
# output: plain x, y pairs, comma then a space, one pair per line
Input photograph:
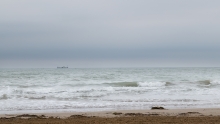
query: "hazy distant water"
104, 89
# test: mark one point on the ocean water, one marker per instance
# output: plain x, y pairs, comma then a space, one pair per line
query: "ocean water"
108, 89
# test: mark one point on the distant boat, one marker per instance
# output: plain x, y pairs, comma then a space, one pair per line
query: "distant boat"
63, 67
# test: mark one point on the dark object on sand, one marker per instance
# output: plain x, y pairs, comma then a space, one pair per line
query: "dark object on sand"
157, 107
117, 113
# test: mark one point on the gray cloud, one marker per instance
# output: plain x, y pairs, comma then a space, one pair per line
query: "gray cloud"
139, 33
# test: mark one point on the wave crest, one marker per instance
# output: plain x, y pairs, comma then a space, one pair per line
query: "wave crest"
4, 96
205, 82
154, 84
140, 84
168, 84
124, 84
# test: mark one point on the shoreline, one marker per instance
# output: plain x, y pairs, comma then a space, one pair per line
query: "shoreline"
115, 113
179, 116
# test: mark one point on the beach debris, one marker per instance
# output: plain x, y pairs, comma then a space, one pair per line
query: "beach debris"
157, 107
190, 114
117, 113
134, 114
137, 114
30, 116
153, 114
193, 112
183, 114
77, 116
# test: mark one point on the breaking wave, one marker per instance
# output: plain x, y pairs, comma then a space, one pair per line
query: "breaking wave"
152, 84
208, 82
216, 82
168, 84
124, 84
46, 89
4, 96
205, 82
140, 84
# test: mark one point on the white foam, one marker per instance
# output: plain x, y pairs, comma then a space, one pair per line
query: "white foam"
215, 82
151, 84
108, 88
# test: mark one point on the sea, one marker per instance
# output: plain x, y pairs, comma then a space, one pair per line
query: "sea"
103, 89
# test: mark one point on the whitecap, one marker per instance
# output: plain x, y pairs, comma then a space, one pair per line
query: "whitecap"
124, 84
151, 84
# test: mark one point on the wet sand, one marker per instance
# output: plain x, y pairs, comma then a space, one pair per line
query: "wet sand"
194, 116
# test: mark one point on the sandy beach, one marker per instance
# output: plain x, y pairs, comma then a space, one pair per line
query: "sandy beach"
206, 115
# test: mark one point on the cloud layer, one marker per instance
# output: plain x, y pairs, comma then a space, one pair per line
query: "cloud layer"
126, 33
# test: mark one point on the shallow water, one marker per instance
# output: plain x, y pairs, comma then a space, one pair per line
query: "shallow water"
104, 89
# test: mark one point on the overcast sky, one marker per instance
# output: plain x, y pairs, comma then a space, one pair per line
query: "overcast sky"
109, 33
